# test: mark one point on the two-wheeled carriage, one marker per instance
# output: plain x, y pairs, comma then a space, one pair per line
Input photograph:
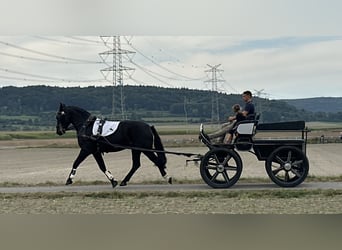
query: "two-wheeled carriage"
286, 162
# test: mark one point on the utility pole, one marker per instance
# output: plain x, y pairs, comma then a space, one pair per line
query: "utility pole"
215, 115
258, 104
116, 69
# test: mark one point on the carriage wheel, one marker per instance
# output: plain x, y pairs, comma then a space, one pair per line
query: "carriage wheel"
287, 166
221, 168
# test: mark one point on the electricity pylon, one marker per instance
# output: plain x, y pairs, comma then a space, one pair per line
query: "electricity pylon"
215, 111
116, 68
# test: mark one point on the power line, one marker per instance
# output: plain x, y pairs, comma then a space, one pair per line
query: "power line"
47, 77
171, 56
87, 40
151, 75
158, 74
47, 54
39, 59
160, 66
24, 79
65, 42
137, 81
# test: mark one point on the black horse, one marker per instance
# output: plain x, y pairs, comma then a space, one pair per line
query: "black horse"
135, 135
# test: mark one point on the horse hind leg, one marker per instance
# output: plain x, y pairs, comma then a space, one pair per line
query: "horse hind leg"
136, 164
100, 162
160, 164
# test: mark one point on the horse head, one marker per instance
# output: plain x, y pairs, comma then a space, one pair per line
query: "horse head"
63, 119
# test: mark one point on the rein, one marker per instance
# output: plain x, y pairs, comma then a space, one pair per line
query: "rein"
137, 148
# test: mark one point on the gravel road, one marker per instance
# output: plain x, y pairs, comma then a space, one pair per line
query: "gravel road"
33, 166
167, 188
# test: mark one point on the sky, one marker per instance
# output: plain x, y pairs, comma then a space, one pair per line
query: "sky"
277, 49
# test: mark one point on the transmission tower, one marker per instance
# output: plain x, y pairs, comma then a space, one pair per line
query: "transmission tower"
114, 72
260, 93
215, 115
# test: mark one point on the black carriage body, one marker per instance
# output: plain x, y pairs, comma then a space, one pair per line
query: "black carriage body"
264, 148
285, 159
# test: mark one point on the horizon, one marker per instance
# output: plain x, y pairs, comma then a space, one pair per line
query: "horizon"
92, 86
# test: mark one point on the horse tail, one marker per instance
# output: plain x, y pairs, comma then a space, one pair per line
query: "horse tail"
161, 157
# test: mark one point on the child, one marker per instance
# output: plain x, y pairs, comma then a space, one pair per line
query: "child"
238, 117
226, 127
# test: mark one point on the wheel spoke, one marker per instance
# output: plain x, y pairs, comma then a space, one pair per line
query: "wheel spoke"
226, 159
287, 166
214, 176
294, 171
234, 168
296, 163
221, 168
211, 167
289, 156
216, 159
276, 171
287, 176
280, 160
225, 175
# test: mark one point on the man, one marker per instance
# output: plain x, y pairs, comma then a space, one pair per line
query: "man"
247, 113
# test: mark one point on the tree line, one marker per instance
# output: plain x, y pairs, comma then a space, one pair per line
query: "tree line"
36, 105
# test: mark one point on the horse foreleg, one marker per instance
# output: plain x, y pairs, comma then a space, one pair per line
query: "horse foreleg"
100, 162
160, 166
81, 157
136, 164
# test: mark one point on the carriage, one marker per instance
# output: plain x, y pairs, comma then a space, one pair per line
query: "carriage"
286, 162
221, 167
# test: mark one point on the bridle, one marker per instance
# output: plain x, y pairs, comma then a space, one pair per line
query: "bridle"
59, 125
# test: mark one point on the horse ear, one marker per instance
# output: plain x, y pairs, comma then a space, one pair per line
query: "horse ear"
61, 106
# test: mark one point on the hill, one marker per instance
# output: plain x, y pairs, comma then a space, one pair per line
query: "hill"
27, 108
318, 104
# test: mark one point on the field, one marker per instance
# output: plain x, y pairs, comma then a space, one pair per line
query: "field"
35, 162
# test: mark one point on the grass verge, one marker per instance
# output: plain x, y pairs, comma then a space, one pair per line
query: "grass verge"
175, 181
194, 202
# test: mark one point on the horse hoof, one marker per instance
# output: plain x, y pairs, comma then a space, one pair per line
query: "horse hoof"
123, 183
69, 181
169, 180
114, 183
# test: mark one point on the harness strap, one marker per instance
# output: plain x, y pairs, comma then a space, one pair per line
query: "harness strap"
99, 129
136, 148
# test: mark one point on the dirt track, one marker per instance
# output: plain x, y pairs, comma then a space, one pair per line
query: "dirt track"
40, 165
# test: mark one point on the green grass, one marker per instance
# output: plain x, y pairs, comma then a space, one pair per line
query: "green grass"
34, 135
175, 181
18, 117
324, 125
246, 194
162, 128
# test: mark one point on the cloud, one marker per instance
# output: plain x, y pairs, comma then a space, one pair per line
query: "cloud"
285, 67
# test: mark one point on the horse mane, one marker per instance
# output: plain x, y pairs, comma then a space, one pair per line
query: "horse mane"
83, 112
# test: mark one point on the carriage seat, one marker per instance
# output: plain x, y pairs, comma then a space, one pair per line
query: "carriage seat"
244, 131
104, 128
248, 126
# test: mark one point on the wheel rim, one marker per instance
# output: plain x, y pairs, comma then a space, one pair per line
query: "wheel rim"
287, 166
221, 168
